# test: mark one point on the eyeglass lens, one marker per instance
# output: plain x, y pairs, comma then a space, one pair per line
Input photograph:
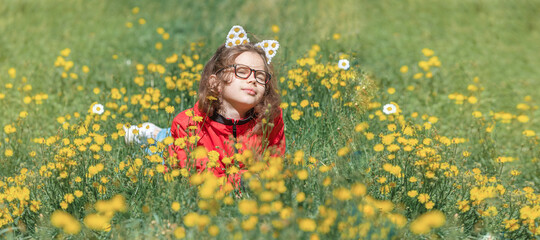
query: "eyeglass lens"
245, 71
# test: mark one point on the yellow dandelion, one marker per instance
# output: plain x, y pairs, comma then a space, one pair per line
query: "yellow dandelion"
247, 206
307, 225
427, 221
179, 233
302, 174
423, 198
175, 206
412, 193
404, 69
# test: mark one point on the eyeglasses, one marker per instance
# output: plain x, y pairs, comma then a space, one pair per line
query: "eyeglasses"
243, 72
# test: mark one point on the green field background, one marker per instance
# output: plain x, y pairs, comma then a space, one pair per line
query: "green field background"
494, 40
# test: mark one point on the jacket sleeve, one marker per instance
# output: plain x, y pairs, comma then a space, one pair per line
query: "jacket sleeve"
277, 136
178, 130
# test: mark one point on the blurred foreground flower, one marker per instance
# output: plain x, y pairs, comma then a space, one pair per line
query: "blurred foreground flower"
428, 221
66, 222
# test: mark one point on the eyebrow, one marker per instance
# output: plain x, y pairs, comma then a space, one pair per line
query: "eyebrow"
263, 67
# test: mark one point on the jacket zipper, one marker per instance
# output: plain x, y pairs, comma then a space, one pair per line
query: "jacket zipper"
234, 129
234, 135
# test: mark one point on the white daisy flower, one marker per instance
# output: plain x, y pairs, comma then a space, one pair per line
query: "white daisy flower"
98, 109
389, 109
343, 64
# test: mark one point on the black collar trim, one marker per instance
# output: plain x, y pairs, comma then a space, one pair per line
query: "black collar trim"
227, 121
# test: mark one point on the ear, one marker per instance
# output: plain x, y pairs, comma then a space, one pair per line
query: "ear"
214, 82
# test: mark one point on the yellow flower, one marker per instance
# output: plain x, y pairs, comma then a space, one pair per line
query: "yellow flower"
327, 181
302, 174
300, 197
523, 118
78, 193
427, 221
361, 127
529, 133
275, 28
175, 206
247, 207
107, 148
404, 69
477, 114
64, 205
213, 230
304, 103
511, 224
472, 100
69, 198
12, 72
191, 219
8, 153
378, 147
307, 225
427, 52
179, 233
429, 205
358, 189
343, 151
423, 198
391, 90
342, 194
463, 205
412, 193
250, 223
68, 223
65, 52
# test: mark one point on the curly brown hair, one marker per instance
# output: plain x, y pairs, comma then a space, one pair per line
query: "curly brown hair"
226, 56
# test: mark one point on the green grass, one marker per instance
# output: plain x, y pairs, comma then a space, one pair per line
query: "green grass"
493, 40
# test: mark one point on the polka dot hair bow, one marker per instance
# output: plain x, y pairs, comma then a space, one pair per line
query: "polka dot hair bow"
237, 36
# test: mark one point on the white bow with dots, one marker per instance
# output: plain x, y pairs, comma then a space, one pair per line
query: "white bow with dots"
237, 36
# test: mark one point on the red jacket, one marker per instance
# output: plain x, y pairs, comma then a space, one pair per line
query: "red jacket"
221, 134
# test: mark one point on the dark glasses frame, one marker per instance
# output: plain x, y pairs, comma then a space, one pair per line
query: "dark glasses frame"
267, 74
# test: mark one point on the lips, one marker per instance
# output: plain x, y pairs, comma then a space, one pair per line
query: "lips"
249, 91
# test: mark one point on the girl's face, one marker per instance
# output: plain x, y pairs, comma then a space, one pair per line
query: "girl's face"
240, 95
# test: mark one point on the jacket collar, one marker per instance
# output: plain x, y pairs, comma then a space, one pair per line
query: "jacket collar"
228, 121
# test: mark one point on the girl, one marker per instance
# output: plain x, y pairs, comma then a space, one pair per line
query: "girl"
237, 110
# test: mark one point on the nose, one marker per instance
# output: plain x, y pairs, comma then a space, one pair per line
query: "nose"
251, 78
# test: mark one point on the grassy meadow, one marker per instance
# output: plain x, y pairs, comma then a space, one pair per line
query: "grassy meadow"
457, 156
